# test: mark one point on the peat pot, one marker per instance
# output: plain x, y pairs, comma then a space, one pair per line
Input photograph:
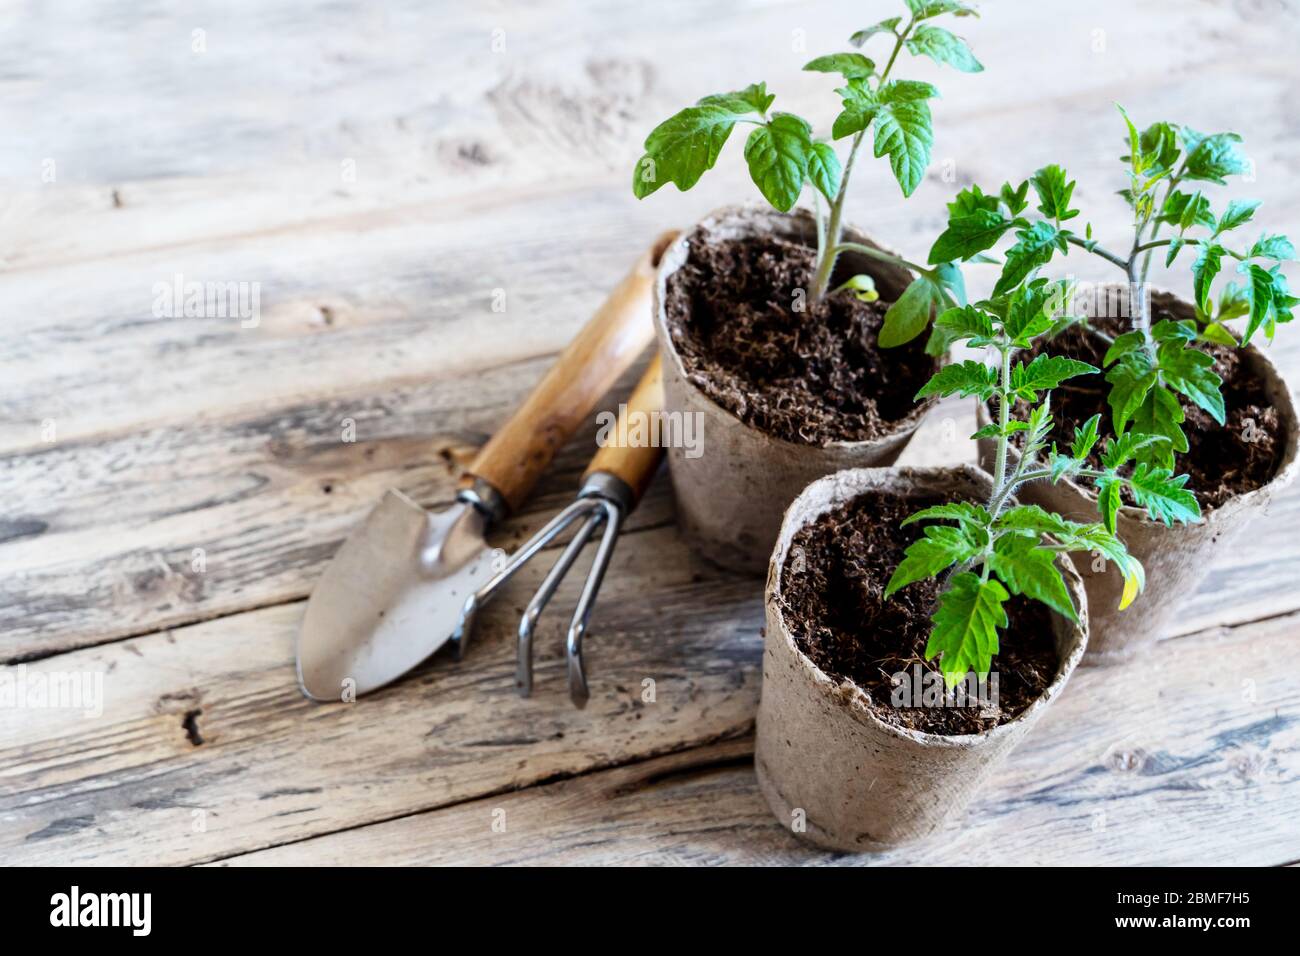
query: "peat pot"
861, 783
732, 493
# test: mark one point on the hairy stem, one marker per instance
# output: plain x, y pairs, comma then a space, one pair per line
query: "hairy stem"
828, 254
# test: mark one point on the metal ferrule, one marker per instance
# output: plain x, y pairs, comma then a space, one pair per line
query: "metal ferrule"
486, 499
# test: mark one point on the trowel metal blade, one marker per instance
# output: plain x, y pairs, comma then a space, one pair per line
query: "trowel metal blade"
391, 597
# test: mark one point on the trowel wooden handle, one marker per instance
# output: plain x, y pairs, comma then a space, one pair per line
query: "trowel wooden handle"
634, 450
515, 457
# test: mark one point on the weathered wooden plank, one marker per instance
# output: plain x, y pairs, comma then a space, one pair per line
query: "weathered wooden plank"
1152, 764
271, 763
1187, 755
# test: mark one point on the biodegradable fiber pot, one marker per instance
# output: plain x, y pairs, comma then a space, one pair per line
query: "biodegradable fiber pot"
864, 784
1177, 559
730, 498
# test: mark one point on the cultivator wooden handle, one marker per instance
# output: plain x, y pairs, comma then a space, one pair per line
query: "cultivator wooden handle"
515, 457
635, 449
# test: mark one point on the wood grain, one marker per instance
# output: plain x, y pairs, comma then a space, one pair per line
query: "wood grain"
637, 449
174, 484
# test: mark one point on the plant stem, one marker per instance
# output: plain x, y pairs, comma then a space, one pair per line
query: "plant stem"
880, 254
830, 253
1099, 251
1004, 418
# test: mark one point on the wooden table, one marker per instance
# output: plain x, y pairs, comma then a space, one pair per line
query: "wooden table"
172, 486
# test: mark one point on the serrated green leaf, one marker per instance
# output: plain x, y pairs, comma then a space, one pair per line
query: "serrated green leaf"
1169, 330
1191, 372
1185, 210
966, 624
926, 9
1085, 436
1176, 245
1125, 344
903, 131
969, 234
889, 26
686, 145
963, 512
1215, 157
1238, 213
1159, 146
860, 107
1033, 520
1045, 372
849, 65
1204, 269
1164, 496
1109, 501
1054, 191
824, 169
777, 154
1033, 309
1278, 248
1234, 302
942, 47
957, 325
1032, 571
1130, 381
940, 548
1015, 197
1121, 450
965, 378
1219, 335
1034, 248
1160, 413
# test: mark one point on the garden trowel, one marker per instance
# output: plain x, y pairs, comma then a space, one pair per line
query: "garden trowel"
393, 593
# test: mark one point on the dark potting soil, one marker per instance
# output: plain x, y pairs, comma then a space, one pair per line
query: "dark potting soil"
832, 590
812, 377
1223, 460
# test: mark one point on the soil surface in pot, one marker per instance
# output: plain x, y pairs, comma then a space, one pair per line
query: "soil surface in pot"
812, 377
832, 590
1223, 460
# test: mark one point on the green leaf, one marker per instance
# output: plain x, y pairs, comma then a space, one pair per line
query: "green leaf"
686, 145
1085, 436
1109, 501
1164, 496
1015, 198
1126, 343
1185, 210
1160, 413
910, 314
1054, 193
824, 169
1175, 246
1238, 213
1130, 382
1033, 309
1169, 330
965, 378
1095, 537
1032, 571
966, 626
1191, 372
1039, 424
943, 47
1031, 519
926, 9
959, 324
942, 547
884, 26
778, 154
860, 107
1034, 248
1045, 372
1159, 146
849, 65
1278, 248
1271, 301
1234, 302
969, 234
963, 512
1215, 157
1120, 451
1219, 335
1204, 269
903, 131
